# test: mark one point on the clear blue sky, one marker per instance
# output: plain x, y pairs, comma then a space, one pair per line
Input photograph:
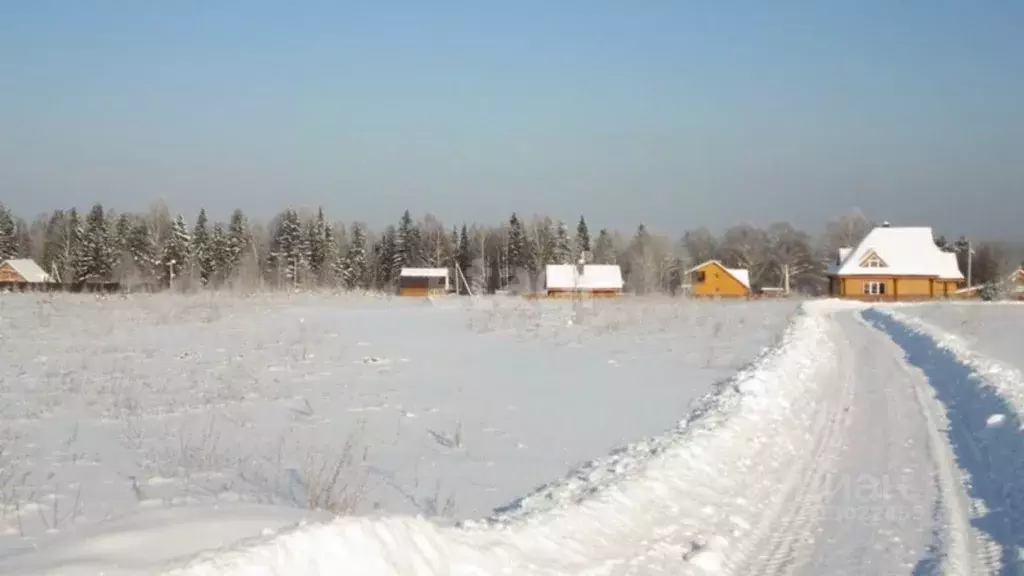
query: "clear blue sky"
675, 113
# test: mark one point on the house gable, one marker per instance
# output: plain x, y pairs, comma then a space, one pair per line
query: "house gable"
872, 260
9, 274
712, 278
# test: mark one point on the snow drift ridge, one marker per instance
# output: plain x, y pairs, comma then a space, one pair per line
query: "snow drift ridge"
673, 502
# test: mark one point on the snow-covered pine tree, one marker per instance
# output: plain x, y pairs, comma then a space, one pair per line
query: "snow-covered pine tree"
287, 253
406, 241
516, 249
121, 234
316, 241
219, 254
238, 242
582, 236
386, 258
356, 267
200, 252
23, 245
95, 257
563, 249
332, 256
175, 258
8, 234
72, 240
143, 251
604, 248
52, 258
464, 255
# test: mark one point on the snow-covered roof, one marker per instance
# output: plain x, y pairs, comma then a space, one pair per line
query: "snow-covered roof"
742, 275
594, 277
904, 251
28, 269
424, 272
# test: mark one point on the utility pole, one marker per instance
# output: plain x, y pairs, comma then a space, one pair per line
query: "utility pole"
970, 263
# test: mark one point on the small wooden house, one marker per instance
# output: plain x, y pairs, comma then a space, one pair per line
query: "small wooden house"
23, 270
423, 282
588, 280
895, 263
712, 279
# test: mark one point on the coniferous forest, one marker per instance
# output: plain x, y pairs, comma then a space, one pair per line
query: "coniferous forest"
309, 250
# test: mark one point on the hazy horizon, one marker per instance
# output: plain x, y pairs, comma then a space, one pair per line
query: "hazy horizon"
671, 114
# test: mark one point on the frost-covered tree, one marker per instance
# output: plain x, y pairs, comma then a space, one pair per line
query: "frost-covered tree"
144, 253
356, 268
406, 240
792, 255
543, 243
747, 246
238, 241
464, 256
95, 257
386, 258
8, 234
517, 256
604, 248
700, 245
563, 253
846, 231
219, 254
71, 247
175, 259
288, 248
200, 249
582, 236
434, 245
318, 241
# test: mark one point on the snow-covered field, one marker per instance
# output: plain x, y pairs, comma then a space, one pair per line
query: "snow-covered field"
352, 404
866, 439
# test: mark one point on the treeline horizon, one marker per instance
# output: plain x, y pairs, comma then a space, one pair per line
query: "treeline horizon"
307, 249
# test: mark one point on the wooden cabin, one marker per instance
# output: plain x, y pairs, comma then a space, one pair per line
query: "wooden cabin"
587, 280
895, 263
22, 271
712, 279
423, 282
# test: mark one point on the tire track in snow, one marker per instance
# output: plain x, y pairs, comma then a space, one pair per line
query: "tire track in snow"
791, 527
873, 431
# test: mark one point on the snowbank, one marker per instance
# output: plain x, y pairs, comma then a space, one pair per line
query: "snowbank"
689, 501
1005, 380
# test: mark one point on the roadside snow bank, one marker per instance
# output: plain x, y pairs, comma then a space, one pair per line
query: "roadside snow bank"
1005, 380
143, 542
692, 501
984, 401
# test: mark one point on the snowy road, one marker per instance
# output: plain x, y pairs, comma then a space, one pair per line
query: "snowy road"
881, 494
860, 445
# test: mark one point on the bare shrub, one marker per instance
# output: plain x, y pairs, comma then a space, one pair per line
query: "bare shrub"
336, 482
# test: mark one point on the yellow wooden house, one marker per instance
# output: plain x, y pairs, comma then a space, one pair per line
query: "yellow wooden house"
712, 279
895, 263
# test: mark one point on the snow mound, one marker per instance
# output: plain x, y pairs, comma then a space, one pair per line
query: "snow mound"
681, 503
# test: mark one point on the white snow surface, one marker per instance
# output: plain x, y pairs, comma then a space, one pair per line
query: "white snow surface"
127, 411
864, 441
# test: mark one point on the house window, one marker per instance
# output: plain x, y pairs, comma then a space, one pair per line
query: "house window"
874, 288
698, 277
